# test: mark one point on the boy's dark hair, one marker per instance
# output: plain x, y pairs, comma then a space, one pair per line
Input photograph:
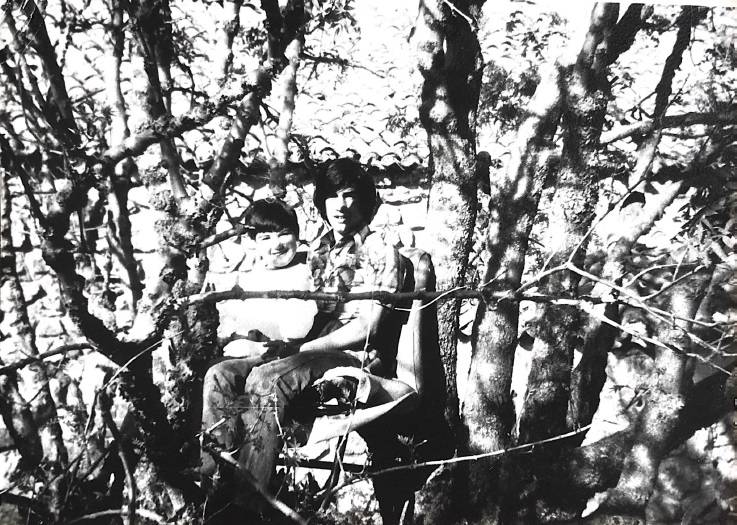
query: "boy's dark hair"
270, 215
341, 174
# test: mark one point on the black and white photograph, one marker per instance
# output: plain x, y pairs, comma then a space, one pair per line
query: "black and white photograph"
337, 262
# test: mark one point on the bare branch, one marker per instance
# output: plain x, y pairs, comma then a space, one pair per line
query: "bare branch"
245, 475
105, 403
11, 164
228, 32
63, 349
64, 122
671, 121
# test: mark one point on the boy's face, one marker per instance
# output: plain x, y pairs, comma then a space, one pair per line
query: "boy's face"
344, 213
275, 249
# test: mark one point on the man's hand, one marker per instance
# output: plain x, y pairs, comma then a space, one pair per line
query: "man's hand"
343, 389
279, 349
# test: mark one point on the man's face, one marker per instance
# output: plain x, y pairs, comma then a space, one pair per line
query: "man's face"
344, 212
275, 249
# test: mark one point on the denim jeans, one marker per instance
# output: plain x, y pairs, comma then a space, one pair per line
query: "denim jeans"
245, 402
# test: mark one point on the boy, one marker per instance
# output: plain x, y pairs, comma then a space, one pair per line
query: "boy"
274, 231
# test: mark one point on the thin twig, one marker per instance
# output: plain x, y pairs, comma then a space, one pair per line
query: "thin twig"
244, 474
104, 403
463, 459
119, 512
4, 370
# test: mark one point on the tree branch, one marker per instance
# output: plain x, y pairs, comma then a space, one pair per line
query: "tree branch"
671, 121
64, 121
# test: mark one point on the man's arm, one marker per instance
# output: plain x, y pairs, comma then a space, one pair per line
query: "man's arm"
382, 264
353, 334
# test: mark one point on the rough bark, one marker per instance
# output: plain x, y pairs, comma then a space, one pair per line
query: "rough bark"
664, 402
450, 61
488, 412
634, 219
571, 214
596, 467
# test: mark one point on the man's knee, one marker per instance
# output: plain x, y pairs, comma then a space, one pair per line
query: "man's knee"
222, 376
261, 380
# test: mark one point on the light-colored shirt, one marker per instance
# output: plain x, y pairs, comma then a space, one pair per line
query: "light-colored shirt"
276, 318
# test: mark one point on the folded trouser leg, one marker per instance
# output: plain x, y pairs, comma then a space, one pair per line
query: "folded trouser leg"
270, 388
223, 384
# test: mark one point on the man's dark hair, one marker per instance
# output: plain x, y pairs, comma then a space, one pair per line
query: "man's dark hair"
342, 174
270, 215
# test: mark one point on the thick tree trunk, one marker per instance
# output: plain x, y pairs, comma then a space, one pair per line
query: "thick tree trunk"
488, 412
664, 399
450, 61
571, 213
633, 220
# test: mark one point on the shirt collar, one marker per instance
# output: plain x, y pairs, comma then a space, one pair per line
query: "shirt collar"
358, 238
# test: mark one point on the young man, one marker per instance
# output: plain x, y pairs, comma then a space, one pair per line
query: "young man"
347, 257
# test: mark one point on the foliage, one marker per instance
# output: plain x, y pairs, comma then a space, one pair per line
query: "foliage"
135, 242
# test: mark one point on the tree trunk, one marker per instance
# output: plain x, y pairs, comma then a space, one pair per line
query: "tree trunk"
488, 412
634, 220
664, 402
585, 91
450, 61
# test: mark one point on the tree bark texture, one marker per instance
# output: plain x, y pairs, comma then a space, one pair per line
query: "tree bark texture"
449, 58
488, 411
664, 402
634, 218
450, 61
585, 91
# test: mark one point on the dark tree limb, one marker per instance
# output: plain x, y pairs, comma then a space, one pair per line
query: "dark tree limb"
63, 349
228, 32
63, 120
105, 403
